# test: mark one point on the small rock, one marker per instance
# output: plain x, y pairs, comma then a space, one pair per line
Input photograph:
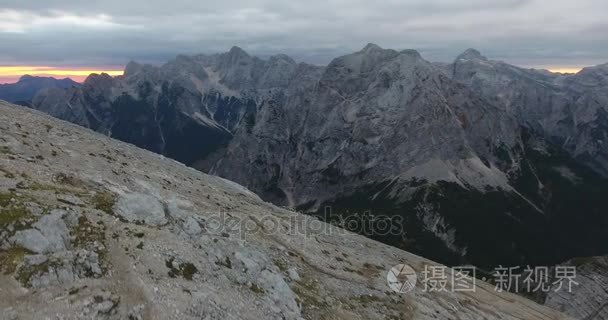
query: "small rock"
34, 209
65, 275
35, 260
70, 199
250, 260
293, 274
71, 218
10, 314
87, 263
136, 313
105, 307
191, 227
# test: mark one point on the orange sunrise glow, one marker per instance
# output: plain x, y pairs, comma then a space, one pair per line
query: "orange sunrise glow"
565, 69
10, 74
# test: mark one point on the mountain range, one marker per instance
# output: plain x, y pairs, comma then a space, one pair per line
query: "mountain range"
24, 90
476, 161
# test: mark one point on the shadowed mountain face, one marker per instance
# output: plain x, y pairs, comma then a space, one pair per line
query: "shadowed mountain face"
479, 161
27, 87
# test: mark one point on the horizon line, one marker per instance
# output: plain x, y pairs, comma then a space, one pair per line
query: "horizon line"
10, 74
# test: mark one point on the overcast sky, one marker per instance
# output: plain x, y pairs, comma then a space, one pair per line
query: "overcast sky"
538, 33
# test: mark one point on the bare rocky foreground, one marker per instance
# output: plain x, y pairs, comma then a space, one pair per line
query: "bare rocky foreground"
95, 228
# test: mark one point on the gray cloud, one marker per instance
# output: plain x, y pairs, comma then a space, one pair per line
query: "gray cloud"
111, 32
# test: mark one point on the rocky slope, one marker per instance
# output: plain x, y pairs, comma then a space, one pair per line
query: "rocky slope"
474, 162
95, 228
589, 299
24, 90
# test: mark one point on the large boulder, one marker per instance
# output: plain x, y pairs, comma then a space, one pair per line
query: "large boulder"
139, 207
54, 229
50, 234
31, 240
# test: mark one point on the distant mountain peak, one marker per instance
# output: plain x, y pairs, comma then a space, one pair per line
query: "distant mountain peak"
371, 47
28, 77
28, 86
238, 51
411, 52
132, 68
102, 80
281, 57
470, 54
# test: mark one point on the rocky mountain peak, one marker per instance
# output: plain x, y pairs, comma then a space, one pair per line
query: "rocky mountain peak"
99, 80
600, 72
132, 68
26, 77
31, 79
184, 65
236, 51
354, 64
471, 54
281, 58
371, 47
411, 53
24, 90
182, 58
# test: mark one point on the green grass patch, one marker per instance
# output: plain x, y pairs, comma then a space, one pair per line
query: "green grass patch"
69, 180
37, 186
366, 299
11, 258
281, 264
6, 150
6, 198
12, 209
104, 201
308, 295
